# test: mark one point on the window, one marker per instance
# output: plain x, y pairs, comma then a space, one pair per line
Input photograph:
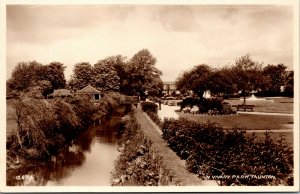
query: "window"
97, 96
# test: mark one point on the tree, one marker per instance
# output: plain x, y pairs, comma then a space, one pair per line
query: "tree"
120, 66
54, 73
43, 79
82, 76
197, 79
24, 75
144, 76
247, 75
289, 83
276, 76
105, 76
221, 83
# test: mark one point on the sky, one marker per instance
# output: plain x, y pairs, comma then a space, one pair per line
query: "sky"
179, 36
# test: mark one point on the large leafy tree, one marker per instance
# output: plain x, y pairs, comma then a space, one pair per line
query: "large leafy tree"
221, 83
247, 75
119, 64
102, 75
276, 75
143, 76
24, 75
82, 76
105, 76
54, 73
35, 78
289, 83
197, 79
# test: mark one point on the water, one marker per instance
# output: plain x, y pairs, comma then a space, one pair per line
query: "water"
87, 161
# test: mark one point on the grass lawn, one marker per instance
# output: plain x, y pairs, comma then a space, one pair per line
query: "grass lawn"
255, 122
248, 121
273, 105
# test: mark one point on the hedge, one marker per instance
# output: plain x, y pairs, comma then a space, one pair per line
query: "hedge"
209, 151
138, 164
149, 107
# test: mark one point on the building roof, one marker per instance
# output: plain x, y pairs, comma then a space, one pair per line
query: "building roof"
61, 92
89, 90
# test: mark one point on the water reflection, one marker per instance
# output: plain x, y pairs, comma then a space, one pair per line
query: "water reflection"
88, 160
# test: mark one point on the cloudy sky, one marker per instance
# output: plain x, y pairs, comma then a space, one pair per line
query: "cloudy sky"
179, 36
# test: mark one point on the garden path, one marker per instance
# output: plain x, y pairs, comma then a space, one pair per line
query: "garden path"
169, 158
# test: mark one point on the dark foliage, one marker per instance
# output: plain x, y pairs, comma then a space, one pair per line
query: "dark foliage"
149, 107
211, 151
210, 105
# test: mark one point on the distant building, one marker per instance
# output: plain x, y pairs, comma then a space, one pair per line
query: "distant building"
90, 91
60, 93
169, 87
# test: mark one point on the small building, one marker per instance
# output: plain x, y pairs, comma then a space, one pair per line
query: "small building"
90, 91
60, 93
169, 88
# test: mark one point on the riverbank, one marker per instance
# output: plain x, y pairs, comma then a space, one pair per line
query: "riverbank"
38, 129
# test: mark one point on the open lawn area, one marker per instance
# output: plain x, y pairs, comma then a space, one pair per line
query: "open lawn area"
248, 121
257, 123
271, 105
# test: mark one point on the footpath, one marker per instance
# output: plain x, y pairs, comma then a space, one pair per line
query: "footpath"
170, 159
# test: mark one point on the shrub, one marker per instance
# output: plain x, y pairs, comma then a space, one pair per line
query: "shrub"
36, 121
45, 126
210, 150
149, 107
84, 108
210, 105
187, 102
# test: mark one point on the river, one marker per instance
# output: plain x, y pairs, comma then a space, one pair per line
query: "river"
87, 161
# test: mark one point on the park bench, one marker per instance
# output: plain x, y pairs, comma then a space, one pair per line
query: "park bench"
244, 107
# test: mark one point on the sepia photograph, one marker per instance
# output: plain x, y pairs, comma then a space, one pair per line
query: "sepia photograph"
170, 96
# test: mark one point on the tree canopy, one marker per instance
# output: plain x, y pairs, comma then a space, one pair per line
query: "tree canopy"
29, 76
197, 80
243, 76
102, 76
276, 77
143, 76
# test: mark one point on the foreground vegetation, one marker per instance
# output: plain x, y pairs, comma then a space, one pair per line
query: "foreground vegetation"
43, 127
210, 151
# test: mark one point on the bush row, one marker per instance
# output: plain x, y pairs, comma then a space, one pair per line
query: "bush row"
151, 109
209, 150
138, 164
